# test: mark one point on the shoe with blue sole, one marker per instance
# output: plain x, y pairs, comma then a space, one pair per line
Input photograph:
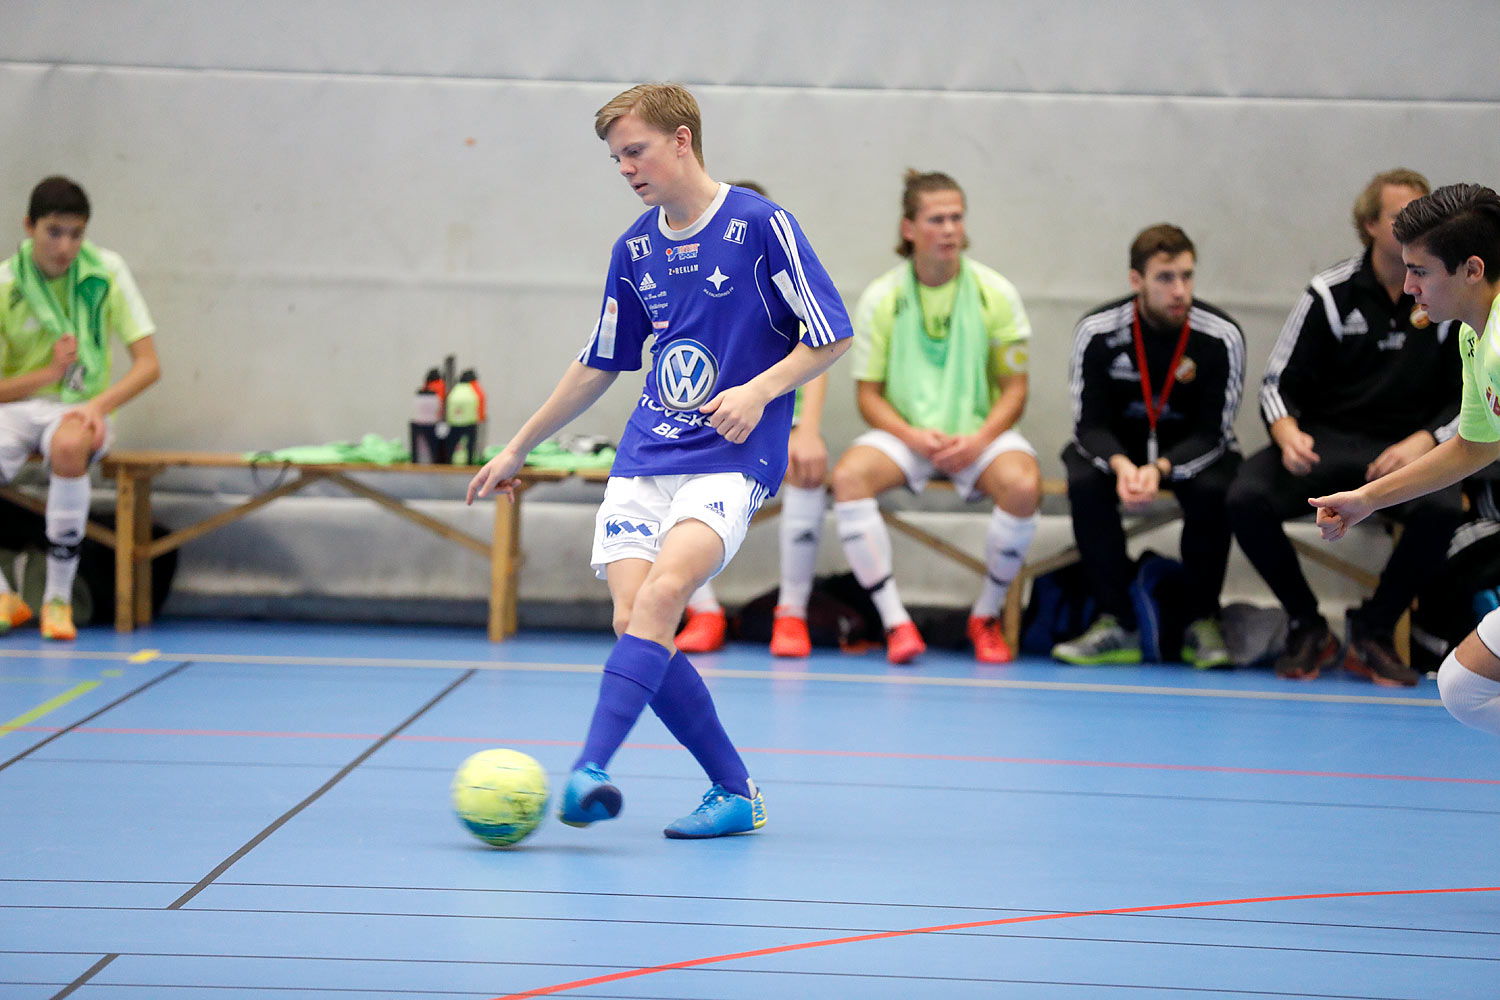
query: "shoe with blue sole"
721, 814
589, 797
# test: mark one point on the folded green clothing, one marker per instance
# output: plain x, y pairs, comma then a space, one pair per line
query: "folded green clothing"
371, 449
552, 455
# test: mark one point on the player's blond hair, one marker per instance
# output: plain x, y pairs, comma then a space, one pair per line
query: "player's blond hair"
666, 107
1367, 205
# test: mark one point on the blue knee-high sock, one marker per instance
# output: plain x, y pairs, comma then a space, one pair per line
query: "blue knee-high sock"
632, 674
687, 710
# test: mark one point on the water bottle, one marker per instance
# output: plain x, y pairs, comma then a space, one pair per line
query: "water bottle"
463, 421
426, 414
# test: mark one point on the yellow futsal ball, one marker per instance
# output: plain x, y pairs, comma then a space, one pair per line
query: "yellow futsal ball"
500, 795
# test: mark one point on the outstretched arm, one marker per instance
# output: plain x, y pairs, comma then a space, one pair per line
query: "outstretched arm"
579, 388
1443, 466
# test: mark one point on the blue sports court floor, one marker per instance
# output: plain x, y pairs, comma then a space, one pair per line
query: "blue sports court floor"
261, 810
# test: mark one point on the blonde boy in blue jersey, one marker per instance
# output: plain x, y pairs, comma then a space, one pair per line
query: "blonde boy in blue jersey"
1450, 242
61, 301
939, 363
738, 312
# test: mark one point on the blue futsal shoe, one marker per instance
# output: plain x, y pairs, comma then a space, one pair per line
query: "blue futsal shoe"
589, 797
721, 814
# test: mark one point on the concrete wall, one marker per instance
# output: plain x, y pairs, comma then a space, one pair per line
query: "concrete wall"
322, 198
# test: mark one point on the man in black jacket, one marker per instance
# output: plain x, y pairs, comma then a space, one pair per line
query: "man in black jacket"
1359, 384
1155, 379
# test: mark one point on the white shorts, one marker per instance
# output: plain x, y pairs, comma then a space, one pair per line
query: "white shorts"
27, 425
919, 471
638, 512
1488, 631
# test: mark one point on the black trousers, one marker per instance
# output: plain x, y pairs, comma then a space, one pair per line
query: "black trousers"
1099, 530
1265, 494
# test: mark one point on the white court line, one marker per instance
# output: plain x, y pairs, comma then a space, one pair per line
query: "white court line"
905, 679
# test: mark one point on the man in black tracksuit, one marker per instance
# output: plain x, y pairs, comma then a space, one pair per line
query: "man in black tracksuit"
1359, 384
1132, 436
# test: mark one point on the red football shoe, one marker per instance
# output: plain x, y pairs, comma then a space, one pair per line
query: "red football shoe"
789, 635
703, 633
904, 643
989, 642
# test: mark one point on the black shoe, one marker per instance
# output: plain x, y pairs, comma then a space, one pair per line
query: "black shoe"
1309, 648
1374, 657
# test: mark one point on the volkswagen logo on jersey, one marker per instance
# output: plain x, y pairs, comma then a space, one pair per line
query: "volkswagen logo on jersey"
685, 375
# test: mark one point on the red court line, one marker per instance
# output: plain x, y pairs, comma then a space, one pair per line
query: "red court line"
795, 752
615, 977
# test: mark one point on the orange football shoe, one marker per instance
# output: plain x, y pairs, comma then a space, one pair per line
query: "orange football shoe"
988, 638
789, 635
904, 643
703, 633
13, 611
57, 620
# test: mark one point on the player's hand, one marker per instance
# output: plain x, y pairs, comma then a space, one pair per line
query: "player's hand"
94, 419
735, 412
498, 475
1338, 512
958, 453
1297, 452
1402, 453
1137, 485
927, 443
807, 458
64, 353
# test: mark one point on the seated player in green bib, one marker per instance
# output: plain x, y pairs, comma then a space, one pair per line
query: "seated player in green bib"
940, 345
62, 299
1450, 242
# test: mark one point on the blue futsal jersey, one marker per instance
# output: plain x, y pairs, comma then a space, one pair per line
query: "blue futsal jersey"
720, 301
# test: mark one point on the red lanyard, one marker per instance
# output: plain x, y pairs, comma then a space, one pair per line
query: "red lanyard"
1154, 409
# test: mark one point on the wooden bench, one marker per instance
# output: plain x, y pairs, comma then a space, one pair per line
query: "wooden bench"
134, 471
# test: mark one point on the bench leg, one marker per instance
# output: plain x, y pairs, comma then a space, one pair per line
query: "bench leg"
125, 541
142, 592
1012, 620
505, 550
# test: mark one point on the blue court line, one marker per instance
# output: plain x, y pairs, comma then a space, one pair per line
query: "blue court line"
780, 674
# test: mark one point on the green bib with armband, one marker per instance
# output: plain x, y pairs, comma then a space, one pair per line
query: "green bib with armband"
938, 373
72, 304
1479, 416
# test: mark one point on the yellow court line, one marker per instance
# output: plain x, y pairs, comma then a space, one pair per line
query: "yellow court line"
899, 680
51, 704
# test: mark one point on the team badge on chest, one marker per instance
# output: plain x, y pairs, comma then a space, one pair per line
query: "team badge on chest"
685, 375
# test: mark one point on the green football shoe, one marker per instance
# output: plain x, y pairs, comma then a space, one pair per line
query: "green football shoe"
1203, 645
1104, 643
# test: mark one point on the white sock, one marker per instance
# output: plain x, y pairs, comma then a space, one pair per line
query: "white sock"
1005, 545
801, 528
67, 513
703, 599
1469, 698
867, 546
